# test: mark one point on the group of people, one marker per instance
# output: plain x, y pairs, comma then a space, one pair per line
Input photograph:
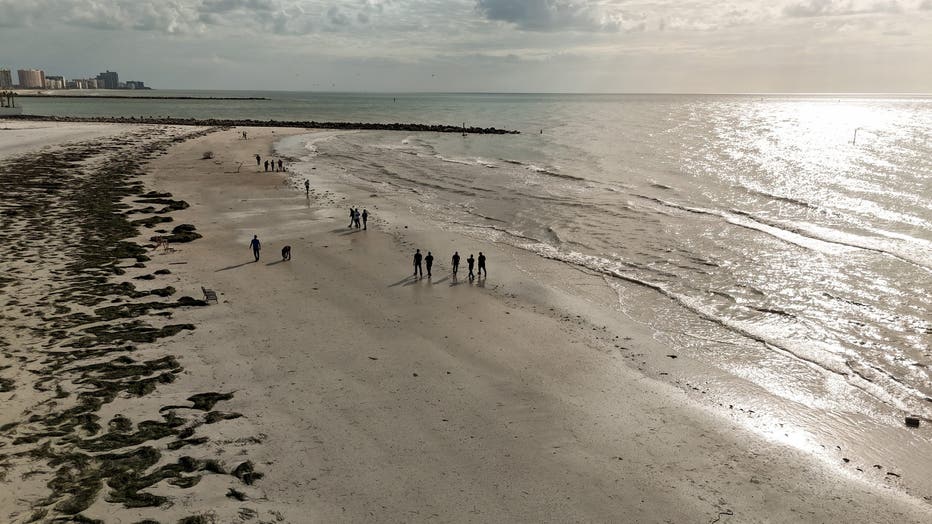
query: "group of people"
270, 164
429, 262
355, 215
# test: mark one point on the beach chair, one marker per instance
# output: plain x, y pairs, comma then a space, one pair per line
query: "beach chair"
210, 295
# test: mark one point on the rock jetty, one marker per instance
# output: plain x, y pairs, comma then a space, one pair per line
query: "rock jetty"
213, 122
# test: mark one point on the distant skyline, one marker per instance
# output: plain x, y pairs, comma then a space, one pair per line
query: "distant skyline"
586, 46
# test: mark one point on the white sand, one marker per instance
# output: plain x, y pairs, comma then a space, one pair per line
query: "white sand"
369, 397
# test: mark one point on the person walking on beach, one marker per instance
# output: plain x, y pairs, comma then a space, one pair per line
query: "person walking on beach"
307, 187
266, 166
258, 160
256, 246
352, 217
456, 262
469, 263
429, 261
280, 168
417, 264
356, 218
365, 217
482, 265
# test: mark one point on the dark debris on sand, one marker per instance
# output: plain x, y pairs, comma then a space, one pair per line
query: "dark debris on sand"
66, 213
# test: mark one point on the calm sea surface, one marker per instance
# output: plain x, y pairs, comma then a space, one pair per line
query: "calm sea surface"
748, 231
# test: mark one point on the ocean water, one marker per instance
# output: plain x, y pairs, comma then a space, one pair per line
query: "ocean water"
748, 231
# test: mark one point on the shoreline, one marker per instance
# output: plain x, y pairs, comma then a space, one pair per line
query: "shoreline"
368, 397
217, 122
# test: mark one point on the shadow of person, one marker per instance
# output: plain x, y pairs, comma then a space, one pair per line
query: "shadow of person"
402, 281
275, 263
444, 279
480, 282
237, 265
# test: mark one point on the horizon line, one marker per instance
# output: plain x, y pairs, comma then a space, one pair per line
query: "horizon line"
588, 93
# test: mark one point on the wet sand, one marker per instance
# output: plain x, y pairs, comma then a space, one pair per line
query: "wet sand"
354, 392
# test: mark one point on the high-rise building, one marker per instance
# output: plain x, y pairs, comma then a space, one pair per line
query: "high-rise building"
92, 83
31, 78
108, 80
54, 82
6, 79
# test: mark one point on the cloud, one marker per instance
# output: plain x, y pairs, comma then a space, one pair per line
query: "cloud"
817, 8
550, 15
337, 17
926, 5
177, 16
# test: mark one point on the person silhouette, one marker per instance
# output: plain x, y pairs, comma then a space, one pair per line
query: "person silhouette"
482, 265
280, 168
307, 187
417, 263
256, 246
258, 160
456, 262
469, 264
352, 217
429, 261
365, 217
266, 166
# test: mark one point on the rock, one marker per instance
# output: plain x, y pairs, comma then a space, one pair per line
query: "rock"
912, 422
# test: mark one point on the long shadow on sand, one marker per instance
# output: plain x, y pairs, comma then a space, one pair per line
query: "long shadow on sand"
442, 280
237, 265
277, 262
402, 281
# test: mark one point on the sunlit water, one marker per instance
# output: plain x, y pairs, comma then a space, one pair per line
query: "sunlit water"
749, 232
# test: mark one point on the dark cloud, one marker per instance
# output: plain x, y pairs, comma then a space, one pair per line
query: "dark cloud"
549, 15
337, 17
226, 6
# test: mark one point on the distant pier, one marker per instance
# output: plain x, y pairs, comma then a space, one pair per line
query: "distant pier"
147, 97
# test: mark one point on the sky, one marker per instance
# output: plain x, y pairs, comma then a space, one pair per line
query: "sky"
588, 46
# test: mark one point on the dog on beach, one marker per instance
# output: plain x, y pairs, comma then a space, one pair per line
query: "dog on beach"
286, 253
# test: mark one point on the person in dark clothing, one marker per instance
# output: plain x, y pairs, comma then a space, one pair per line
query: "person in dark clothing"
280, 168
356, 218
365, 217
352, 217
417, 264
307, 187
255, 246
469, 263
482, 265
456, 262
266, 165
429, 260
258, 160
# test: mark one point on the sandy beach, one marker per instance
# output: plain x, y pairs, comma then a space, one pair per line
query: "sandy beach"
335, 388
